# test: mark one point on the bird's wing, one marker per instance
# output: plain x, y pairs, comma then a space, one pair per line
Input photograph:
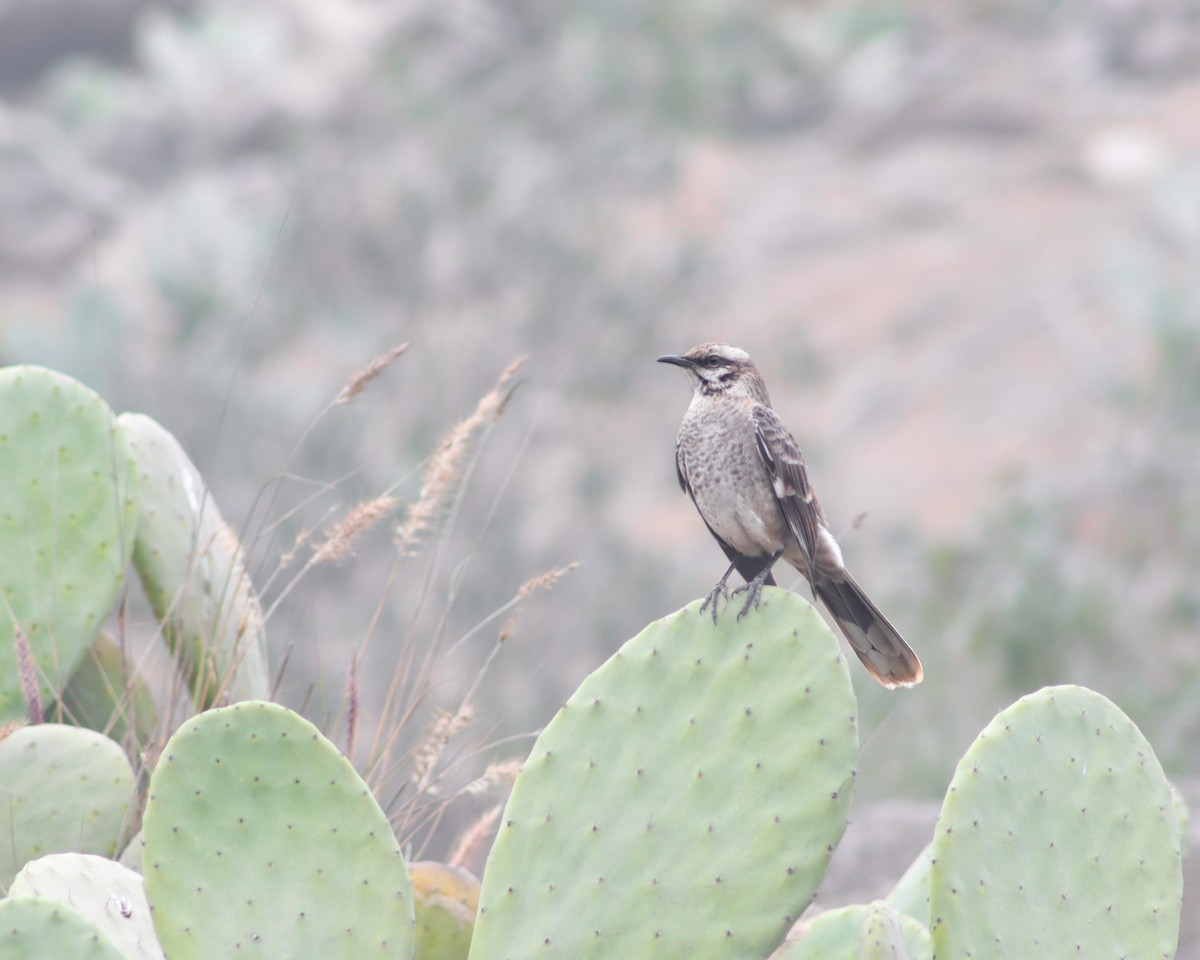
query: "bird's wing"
878, 644
680, 470
785, 466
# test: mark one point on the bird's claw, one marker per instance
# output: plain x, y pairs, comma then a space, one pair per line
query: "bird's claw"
753, 591
715, 595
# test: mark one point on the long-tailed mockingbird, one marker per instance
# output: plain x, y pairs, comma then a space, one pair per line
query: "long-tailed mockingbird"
745, 473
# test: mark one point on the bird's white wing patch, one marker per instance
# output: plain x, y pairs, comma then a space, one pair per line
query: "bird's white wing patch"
829, 554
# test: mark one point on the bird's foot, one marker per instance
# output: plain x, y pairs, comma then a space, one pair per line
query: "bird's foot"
715, 595
753, 591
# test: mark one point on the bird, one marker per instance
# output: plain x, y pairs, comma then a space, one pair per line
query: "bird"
745, 473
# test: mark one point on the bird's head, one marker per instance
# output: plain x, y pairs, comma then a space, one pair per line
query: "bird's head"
715, 368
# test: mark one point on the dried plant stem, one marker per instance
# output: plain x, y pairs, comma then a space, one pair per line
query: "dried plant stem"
27, 670
360, 378
445, 467
420, 813
442, 477
355, 384
352, 705
466, 851
429, 750
339, 542
383, 746
502, 774
409, 816
10, 727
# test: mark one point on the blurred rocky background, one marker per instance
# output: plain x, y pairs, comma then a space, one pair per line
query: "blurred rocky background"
961, 240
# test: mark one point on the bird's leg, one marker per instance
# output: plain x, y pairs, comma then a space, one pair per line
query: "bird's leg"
716, 593
753, 589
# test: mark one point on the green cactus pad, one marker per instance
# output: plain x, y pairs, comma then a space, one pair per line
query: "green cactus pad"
67, 514
686, 799
37, 929
131, 855
857, 933
445, 899
1057, 838
882, 934
107, 693
1179, 802
260, 838
106, 894
61, 789
910, 895
190, 565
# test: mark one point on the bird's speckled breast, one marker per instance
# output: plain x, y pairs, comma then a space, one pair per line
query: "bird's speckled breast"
728, 480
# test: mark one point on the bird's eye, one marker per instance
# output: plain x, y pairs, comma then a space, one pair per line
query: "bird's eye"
712, 362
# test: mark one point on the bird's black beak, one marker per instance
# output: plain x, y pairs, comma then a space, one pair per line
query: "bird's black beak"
677, 361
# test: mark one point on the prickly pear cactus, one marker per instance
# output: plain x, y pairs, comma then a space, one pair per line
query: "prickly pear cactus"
67, 514
874, 932
1058, 838
190, 565
1179, 803
686, 799
61, 789
882, 934
34, 929
910, 895
107, 693
260, 837
445, 899
131, 855
106, 894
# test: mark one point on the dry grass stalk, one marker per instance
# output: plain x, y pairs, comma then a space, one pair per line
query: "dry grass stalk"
286, 558
446, 465
429, 751
352, 701
223, 540
360, 378
338, 543
441, 477
502, 774
27, 673
7, 729
544, 581
509, 628
466, 851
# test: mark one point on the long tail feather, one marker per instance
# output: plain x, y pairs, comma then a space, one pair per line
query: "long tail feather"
878, 644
